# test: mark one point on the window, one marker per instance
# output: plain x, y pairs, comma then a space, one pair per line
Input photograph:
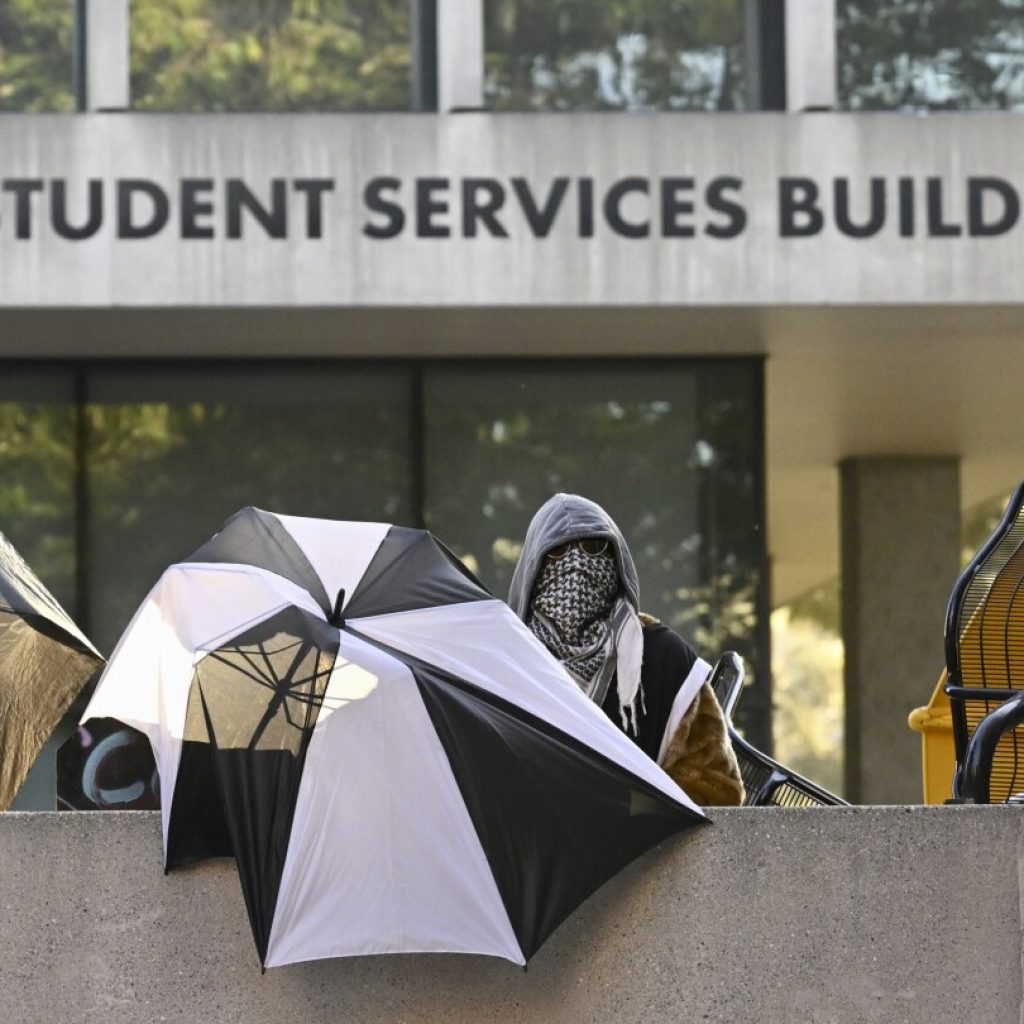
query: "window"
35, 55
110, 473
628, 55
930, 54
277, 55
171, 453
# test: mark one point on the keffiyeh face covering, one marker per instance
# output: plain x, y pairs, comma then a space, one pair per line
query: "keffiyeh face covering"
570, 612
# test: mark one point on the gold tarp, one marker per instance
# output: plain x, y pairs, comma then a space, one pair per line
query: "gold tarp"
39, 680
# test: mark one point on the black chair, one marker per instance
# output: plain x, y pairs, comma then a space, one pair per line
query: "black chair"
767, 782
985, 666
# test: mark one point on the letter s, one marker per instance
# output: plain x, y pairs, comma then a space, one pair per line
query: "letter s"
374, 199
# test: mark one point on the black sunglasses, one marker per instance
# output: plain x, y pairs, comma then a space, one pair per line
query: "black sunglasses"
591, 546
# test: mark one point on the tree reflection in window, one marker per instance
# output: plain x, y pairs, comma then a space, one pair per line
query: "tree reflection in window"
35, 55
38, 476
172, 453
930, 54
618, 55
671, 454
275, 55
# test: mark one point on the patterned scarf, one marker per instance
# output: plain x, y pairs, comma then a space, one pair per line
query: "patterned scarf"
570, 613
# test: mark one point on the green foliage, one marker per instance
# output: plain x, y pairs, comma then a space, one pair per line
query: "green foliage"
979, 524
270, 55
35, 55
807, 690
932, 54
37, 500
617, 54
820, 606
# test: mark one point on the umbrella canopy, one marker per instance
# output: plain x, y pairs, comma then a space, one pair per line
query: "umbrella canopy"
400, 767
45, 660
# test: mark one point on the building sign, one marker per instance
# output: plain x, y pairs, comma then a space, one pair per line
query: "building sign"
433, 207
492, 210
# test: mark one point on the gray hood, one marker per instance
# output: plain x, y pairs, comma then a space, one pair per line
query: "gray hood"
561, 518
569, 517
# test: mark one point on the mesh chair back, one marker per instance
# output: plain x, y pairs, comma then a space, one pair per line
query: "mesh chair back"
767, 782
985, 645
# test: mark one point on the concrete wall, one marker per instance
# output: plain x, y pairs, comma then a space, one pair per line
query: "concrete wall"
839, 915
588, 209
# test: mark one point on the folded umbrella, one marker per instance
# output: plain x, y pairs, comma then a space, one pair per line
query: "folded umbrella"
45, 660
398, 767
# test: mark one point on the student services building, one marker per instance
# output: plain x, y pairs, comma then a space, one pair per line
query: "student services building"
779, 344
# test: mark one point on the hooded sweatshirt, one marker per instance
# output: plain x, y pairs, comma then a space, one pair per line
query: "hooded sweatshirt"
657, 675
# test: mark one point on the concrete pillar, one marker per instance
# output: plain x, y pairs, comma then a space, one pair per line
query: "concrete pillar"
460, 55
810, 54
900, 539
103, 42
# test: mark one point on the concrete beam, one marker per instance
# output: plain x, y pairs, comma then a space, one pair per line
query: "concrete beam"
769, 916
104, 36
460, 55
810, 55
900, 550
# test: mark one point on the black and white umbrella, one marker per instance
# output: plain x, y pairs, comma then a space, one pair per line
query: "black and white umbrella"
394, 761
45, 660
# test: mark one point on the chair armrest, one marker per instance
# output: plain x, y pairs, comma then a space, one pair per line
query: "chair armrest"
971, 783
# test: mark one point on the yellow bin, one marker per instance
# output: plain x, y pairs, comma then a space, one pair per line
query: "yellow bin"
938, 754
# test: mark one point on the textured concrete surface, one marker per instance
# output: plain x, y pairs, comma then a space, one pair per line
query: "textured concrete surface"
799, 916
900, 546
721, 239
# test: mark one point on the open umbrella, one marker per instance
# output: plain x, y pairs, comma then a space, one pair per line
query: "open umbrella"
394, 761
45, 660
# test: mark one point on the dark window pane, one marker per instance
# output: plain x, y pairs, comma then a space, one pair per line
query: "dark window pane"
930, 54
671, 453
171, 454
35, 55
632, 55
275, 55
37, 474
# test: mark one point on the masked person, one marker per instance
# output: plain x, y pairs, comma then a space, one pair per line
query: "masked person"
575, 586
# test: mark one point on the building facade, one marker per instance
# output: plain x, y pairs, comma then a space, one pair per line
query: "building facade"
761, 297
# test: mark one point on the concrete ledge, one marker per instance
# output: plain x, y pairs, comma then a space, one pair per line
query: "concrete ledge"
798, 916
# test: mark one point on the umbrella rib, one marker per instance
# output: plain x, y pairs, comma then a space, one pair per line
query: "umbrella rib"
311, 699
260, 680
288, 682
250, 660
281, 691
266, 659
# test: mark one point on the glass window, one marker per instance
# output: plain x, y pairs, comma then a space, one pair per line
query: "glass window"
156, 457
35, 55
38, 476
172, 453
671, 452
275, 55
629, 55
930, 54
